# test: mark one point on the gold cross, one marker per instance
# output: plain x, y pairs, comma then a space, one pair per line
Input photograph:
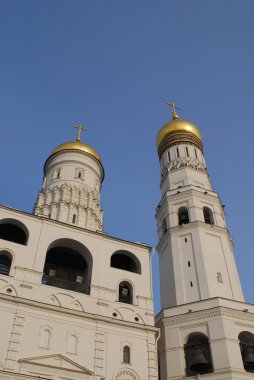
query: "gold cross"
80, 128
174, 108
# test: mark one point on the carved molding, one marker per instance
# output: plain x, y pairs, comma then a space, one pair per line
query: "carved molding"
182, 162
191, 226
193, 317
126, 374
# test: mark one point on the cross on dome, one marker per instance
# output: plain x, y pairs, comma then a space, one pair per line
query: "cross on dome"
80, 128
174, 108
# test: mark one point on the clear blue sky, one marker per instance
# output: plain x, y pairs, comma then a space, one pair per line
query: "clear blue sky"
112, 65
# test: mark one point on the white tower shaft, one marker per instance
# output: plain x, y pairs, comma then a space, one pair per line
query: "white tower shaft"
71, 189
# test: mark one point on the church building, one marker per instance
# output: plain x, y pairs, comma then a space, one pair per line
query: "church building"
76, 303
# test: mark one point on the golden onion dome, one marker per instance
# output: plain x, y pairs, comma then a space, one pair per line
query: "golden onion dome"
77, 145
176, 132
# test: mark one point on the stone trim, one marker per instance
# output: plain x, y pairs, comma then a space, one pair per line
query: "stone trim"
198, 316
22, 302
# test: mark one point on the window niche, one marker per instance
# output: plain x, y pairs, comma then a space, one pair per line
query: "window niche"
126, 261
208, 215
126, 355
197, 355
57, 174
79, 174
72, 342
68, 265
45, 336
5, 263
183, 216
246, 343
14, 231
164, 226
125, 292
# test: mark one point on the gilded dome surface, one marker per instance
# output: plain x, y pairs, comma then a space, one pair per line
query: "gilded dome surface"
177, 126
77, 145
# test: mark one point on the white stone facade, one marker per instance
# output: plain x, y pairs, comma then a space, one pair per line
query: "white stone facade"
221, 320
63, 333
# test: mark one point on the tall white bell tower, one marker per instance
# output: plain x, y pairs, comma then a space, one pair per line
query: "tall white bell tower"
201, 296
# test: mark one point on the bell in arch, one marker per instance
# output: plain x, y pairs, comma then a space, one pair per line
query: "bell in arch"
198, 363
248, 357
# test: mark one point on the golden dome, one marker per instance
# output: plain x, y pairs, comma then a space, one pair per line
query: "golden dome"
177, 126
77, 145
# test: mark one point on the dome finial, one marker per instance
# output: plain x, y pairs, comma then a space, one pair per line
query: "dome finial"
80, 128
174, 108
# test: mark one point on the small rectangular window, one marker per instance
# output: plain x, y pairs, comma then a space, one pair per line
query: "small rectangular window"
169, 158
188, 263
74, 218
196, 155
191, 284
177, 152
187, 152
185, 239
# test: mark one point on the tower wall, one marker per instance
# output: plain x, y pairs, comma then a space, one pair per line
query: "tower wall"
203, 312
71, 190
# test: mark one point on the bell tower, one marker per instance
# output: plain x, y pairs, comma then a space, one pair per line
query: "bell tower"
198, 276
73, 175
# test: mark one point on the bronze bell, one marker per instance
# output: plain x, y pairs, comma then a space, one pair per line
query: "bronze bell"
248, 357
198, 362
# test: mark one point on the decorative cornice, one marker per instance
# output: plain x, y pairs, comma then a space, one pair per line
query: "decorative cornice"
22, 302
206, 315
179, 138
45, 219
188, 162
184, 193
194, 225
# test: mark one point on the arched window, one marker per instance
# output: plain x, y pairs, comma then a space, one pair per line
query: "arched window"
68, 265
246, 342
183, 216
5, 263
126, 355
208, 215
13, 230
164, 226
126, 261
219, 277
197, 355
125, 292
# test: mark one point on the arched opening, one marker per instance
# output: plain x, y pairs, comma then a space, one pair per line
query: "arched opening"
68, 266
5, 263
197, 355
13, 230
246, 343
208, 215
126, 355
183, 216
126, 261
125, 292
164, 226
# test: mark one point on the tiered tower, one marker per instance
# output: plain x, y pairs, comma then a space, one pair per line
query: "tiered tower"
70, 192
203, 315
